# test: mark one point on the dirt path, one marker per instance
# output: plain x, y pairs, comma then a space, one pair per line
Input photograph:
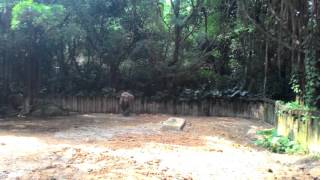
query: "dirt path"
106, 146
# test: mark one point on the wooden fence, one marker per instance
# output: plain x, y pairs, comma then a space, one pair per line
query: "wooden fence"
301, 126
243, 108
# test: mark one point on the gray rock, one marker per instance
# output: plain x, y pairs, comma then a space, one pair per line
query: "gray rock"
48, 110
7, 111
37, 112
173, 124
16, 101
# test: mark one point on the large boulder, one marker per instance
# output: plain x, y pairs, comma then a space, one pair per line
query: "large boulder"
2, 111
7, 111
173, 124
16, 101
48, 110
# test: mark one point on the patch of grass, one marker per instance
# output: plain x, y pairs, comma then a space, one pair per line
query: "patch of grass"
294, 105
278, 144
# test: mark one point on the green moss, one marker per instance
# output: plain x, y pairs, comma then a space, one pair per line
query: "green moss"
303, 113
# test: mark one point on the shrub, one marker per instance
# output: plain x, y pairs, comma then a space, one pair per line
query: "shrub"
278, 144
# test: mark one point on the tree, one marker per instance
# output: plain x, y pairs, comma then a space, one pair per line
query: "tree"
32, 21
192, 49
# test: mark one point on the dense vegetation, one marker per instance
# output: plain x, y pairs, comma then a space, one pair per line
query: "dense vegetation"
161, 48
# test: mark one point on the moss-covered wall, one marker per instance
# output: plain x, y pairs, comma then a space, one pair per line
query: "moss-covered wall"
301, 126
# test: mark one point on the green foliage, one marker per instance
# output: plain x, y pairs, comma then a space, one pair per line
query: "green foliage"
294, 106
166, 12
240, 28
28, 12
207, 74
95, 47
295, 86
303, 112
278, 144
312, 95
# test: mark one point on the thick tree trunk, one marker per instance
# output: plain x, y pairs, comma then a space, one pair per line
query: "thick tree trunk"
178, 32
317, 15
279, 53
176, 45
28, 88
266, 69
114, 76
32, 75
317, 91
205, 14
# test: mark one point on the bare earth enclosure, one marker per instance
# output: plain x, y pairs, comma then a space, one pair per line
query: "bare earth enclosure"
108, 146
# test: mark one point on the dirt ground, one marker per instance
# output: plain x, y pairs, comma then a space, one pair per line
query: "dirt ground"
107, 146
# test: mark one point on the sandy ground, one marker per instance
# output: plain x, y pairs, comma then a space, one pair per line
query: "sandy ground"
107, 146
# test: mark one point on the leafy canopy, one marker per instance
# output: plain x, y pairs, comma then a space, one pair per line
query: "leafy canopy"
28, 12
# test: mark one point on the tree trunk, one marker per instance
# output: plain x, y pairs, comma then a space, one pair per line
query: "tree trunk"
178, 32
266, 69
114, 76
279, 53
176, 45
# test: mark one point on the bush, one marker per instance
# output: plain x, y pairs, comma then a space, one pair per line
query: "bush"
278, 144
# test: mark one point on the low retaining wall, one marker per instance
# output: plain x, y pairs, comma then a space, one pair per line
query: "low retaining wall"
289, 123
301, 126
243, 108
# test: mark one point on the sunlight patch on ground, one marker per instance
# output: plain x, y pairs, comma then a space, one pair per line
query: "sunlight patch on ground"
15, 145
198, 162
14, 151
206, 149
89, 115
